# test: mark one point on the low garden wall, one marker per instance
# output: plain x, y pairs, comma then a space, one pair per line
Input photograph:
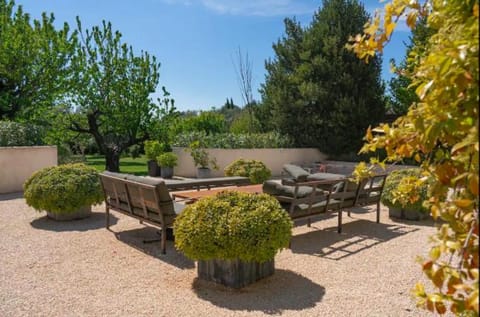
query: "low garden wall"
273, 159
18, 163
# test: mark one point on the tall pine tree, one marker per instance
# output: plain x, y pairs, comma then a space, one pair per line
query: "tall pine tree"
316, 90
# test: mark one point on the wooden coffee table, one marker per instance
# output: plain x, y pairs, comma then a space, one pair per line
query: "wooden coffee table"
193, 196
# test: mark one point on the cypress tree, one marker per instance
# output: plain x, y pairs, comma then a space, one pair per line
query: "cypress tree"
317, 91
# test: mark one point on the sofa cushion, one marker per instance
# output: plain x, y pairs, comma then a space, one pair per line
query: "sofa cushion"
298, 173
114, 174
324, 176
276, 188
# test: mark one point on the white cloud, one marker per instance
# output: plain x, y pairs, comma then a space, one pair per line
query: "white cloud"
258, 7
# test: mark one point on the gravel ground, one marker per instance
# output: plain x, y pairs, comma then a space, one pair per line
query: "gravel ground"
79, 268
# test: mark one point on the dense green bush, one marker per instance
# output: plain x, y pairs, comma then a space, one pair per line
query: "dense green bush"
233, 225
63, 189
256, 170
208, 122
412, 198
154, 148
19, 134
168, 159
235, 141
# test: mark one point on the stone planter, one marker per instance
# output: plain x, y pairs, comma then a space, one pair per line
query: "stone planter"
395, 212
408, 214
81, 213
153, 168
234, 273
166, 172
203, 172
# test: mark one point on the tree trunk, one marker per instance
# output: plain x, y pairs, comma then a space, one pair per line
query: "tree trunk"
112, 161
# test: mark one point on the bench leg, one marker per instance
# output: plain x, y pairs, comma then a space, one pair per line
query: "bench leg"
378, 212
163, 238
107, 217
339, 229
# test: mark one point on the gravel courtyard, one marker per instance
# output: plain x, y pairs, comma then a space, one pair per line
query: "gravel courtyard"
79, 268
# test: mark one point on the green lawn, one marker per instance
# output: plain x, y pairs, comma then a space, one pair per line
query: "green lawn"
137, 166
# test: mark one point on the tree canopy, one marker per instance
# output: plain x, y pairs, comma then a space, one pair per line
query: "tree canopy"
440, 131
316, 90
112, 97
35, 60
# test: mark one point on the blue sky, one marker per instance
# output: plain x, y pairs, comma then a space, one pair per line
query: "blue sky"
196, 40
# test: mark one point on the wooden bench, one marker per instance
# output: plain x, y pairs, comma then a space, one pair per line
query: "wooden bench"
145, 199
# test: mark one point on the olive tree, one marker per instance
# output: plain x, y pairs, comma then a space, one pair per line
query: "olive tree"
112, 98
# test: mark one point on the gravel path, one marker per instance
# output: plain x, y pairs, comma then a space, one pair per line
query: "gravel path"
79, 268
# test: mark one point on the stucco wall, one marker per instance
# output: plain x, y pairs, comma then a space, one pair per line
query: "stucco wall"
18, 163
273, 159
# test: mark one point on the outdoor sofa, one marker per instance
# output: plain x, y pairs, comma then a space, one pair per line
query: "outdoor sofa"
305, 195
148, 199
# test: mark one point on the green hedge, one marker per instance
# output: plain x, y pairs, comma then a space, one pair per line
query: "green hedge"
63, 189
20, 134
233, 225
255, 170
235, 141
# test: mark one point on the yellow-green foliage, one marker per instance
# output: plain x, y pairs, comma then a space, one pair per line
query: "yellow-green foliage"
168, 159
255, 170
440, 131
233, 225
396, 194
63, 189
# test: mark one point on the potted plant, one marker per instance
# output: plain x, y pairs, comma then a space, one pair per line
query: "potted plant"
255, 170
234, 236
404, 194
167, 162
201, 159
65, 192
152, 150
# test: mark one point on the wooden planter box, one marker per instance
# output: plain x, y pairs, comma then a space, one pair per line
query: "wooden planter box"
234, 273
83, 212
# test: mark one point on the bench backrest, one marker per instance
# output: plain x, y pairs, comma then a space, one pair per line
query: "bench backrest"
140, 198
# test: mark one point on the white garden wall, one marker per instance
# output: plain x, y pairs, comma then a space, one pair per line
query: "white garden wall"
18, 163
273, 159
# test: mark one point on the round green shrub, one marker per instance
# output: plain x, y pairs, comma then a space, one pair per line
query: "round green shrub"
253, 169
63, 189
390, 195
168, 159
233, 225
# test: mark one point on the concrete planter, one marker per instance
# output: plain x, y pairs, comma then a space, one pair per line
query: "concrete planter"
408, 214
153, 168
234, 273
203, 172
166, 172
81, 213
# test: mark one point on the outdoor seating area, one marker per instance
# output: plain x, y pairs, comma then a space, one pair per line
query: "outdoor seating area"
324, 183
303, 195
79, 268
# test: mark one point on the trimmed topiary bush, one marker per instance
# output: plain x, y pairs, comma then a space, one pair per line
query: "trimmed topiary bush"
416, 192
63, 189
233, 225
255, 170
